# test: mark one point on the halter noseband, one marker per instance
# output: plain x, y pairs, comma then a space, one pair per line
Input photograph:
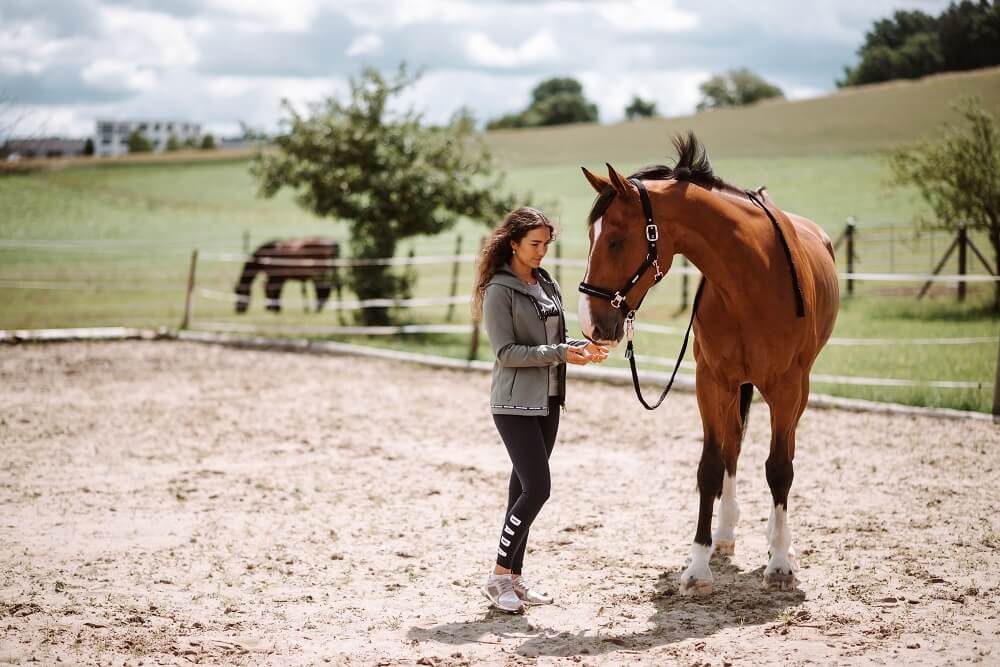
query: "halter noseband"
617, 298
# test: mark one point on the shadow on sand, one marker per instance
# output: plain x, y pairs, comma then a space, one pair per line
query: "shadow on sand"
738, 600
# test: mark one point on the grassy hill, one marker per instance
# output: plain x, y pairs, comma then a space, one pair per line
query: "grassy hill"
864, 119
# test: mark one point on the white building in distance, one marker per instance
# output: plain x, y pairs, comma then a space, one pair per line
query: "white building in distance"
112, 135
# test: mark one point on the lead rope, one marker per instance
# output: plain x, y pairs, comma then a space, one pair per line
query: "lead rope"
630, 351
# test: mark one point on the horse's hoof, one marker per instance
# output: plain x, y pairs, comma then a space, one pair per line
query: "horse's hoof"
696, 587
780, 580
724, 547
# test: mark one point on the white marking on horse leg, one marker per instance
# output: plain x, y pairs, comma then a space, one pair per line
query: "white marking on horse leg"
697, 578
724, 539
781, 568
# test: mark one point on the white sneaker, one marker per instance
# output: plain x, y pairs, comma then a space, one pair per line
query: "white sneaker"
499, 590
528, 594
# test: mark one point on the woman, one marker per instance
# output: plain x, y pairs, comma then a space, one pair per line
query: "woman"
522, 308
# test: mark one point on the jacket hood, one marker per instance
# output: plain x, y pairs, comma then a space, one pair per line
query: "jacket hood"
505, 276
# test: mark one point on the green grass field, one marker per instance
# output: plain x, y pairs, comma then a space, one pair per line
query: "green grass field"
110, 245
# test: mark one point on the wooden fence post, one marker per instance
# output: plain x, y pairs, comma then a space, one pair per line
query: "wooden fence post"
454, 275
558, 262
474, 341
684, 284
963, 242
849, 237
190, 289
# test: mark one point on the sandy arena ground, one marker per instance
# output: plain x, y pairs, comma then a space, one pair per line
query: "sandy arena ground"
176, 503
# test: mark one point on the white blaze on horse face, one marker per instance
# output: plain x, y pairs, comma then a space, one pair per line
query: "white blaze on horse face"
724, 540
583, 311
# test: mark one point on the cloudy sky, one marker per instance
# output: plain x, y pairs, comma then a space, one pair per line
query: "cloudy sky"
65, 63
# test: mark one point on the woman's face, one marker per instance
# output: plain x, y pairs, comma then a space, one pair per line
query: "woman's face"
532, 248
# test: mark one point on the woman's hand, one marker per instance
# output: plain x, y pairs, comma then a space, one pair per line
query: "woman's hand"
597, 352
578, 355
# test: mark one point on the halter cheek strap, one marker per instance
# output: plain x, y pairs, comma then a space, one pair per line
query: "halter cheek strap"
617, 298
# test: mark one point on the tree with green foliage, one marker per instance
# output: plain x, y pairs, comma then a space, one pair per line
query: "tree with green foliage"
384, 173
735, 88
556, 101
173, 143
640, 108
138, 143
958, 176
88, 146
913, 44
207, 142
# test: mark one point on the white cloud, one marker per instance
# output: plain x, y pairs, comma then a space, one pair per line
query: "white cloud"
267, 15
482, 50
148, 38
368, 43
674, 91
116, 74
647, 15
399, 13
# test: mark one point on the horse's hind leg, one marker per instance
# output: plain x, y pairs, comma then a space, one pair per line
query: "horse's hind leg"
787, 400
272, 288
724, 538
716, 403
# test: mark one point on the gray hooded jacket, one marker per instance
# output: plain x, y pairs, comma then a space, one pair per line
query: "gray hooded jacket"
523, 354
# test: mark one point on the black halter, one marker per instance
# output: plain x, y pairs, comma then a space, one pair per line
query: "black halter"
617, 298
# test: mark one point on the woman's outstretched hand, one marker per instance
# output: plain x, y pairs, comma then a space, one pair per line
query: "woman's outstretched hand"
598, 353
588, 354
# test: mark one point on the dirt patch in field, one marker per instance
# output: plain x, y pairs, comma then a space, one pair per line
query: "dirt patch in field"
177, 503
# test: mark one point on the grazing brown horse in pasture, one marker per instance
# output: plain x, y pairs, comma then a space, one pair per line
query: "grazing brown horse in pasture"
766, 306
307, 259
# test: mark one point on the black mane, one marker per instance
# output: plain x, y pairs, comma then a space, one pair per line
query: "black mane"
692, 166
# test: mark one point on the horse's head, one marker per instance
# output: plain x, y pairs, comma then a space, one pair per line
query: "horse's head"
618, 248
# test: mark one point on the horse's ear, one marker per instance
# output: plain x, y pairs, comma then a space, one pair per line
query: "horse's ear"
597, 182
618, 181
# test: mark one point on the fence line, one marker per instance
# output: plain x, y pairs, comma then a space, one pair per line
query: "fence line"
820, 378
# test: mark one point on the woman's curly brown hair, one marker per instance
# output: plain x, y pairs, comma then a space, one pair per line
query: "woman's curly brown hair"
498, 250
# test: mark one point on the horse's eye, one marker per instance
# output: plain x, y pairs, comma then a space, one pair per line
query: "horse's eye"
615, 245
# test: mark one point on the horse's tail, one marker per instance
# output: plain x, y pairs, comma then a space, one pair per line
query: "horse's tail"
746, 395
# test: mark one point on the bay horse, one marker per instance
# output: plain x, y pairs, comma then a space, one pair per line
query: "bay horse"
766, 306
306, 259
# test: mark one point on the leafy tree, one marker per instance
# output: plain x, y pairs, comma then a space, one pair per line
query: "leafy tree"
557, 86
88, 146
138, 143
553, 102
735, 88
173, 143
385, 174
640, 108
969, 34
207, 142
958, 175
913, 44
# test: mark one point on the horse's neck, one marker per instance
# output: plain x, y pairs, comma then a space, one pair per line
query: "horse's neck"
711, 230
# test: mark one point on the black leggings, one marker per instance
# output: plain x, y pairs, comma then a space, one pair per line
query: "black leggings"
529, 441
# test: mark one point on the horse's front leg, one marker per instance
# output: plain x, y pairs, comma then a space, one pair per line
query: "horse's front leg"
787, 404
697, 578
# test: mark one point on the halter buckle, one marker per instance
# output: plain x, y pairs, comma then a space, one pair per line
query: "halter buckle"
630, 325
616, 302
652, 233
